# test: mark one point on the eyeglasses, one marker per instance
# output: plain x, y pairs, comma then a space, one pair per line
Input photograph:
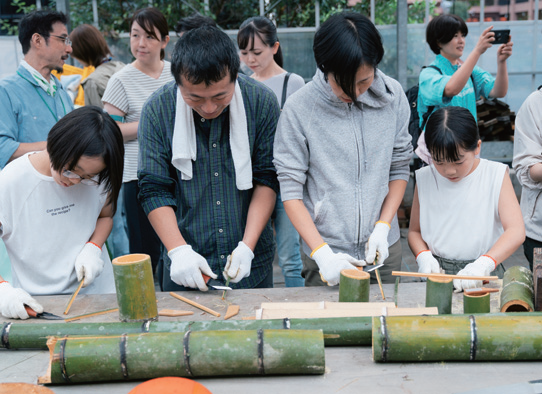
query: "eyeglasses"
85, 181
66, 39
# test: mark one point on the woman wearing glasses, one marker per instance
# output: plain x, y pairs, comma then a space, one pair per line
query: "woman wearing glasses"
56, 211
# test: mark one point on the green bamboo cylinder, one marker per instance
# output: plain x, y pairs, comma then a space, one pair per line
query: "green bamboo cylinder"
190, 354
476, 303
354, 286
517, 290
135, 288
438, 292
457, 338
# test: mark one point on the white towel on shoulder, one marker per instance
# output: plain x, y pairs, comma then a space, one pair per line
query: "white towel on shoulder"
184, 147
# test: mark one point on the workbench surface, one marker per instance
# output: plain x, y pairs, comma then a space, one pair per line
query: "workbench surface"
348, 369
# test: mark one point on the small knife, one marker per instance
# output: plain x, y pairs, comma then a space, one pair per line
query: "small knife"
370, 268
44, 315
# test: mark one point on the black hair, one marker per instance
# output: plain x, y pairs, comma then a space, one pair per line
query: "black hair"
265, 30
205, 54
89, 131
150, 18
447, 130
344, 43
441, 30
40, 22
193, 22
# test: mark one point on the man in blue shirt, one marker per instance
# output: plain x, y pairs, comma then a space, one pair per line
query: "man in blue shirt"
206, 177
33, 100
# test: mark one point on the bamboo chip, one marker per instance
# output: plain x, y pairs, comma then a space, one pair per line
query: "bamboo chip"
380, 284
23, 388
396, 292
476, 303
72, 298
174, 313
185, 354
90, 315
354, 286
421, 275
517, 290
195, 304
231, 311
438, 292
134, 282
480, 291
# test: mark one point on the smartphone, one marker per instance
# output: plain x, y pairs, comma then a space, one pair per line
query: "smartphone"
501, 36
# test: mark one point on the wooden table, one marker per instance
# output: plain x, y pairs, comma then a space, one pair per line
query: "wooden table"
348, 369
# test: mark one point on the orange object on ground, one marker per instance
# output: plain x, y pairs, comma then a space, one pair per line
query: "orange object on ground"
170, 385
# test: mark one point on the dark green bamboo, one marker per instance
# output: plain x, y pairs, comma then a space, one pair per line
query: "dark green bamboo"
517, 290
438, 292
354, 286
136, 294
190, 354
484, 337
476, 303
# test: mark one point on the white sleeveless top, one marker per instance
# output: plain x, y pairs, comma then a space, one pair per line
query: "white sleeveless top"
460, 220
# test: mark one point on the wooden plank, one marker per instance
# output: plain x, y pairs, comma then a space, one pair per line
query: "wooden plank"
420, 275
377, 309
324, 305
537, 278
433, 310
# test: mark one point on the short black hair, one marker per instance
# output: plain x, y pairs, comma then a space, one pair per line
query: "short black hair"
441, 29
344, 43
265, 30
150, 18
193, 22
205, 54
89, 131
447, 130
40, 22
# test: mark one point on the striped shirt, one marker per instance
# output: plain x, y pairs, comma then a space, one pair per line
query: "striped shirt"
211, 212
128, 90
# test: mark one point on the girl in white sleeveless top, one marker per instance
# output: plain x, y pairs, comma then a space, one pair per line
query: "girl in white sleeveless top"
465, 215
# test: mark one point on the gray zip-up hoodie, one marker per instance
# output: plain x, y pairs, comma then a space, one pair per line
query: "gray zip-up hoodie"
339, 159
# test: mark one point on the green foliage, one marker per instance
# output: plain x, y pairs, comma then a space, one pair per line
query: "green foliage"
8, 26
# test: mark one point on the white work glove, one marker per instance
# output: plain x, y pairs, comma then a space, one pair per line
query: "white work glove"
378, 242
331, 264
427, 263
188, 266
239, 263
13, 300
482, 266
89, 264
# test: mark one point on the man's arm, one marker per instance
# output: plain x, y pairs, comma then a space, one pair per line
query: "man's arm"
259, 211
164, 222
25, 147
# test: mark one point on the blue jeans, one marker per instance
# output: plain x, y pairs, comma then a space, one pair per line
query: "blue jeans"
287, 240
117, 243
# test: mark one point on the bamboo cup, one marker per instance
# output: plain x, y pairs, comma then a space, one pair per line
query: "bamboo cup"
476, 303
354, 286
438, 292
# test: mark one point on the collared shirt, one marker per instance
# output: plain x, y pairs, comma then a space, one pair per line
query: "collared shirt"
211, 212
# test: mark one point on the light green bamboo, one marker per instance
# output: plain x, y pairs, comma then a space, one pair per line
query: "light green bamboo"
190, 354
354, 286
438, 292
476, 303
517, 290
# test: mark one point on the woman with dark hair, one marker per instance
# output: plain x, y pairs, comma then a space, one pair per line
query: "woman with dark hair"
91, 49
465, 215
452, 81
261, 52
126, 92
342, 153
54, 224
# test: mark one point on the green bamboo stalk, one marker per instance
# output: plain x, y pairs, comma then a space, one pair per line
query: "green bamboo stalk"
438, 292
354, 286
190, 354
517, 290
136, 295
476, 303
485, 337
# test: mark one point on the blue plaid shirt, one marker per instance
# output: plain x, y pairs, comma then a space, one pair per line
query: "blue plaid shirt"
211, 212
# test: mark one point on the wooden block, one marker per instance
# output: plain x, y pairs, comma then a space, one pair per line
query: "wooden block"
231, 311
174, 313
432, 310
537, 278
323, 305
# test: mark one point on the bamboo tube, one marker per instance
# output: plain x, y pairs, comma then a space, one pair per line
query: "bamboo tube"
438, 292
190, 354
517, 290
491, 337
354, 286
476, 303
422, 275
135, 288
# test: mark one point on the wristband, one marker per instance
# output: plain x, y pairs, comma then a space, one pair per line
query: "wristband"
3, 281
117, 118
495, 261
381, 221
315, 250
95, 244
421, 253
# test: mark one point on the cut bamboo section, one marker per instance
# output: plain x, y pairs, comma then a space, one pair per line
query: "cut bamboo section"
438, 292
174, 313
491, 337
187, 354
195, 304
354, 286
135, 288
231, 311
476, 303
72, 298
517, 290
422, 275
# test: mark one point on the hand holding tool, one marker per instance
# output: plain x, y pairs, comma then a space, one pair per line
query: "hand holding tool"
43, 315
13, 300
331, 264
187, 268
89, 263
427, 263
378, 242
238, 266
482, 266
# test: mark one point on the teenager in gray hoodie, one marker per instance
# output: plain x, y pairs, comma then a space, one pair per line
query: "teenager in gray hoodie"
342, 153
